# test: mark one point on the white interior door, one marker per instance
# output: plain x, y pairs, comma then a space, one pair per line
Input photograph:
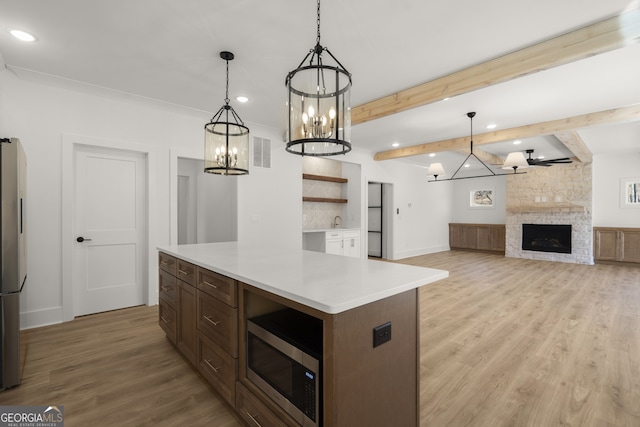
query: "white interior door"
109, 225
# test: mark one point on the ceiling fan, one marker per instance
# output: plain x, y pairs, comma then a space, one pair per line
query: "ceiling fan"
545, 162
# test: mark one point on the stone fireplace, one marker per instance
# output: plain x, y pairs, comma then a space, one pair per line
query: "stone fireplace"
556, 195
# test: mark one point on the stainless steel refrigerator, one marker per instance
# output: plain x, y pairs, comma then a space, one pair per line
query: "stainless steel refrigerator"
13, 259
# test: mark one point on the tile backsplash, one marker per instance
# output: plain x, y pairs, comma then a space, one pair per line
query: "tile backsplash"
317, 214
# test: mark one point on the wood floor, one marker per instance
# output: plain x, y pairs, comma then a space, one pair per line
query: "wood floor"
504, 342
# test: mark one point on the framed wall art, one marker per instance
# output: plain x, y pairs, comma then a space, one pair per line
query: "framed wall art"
482, 199
630, 192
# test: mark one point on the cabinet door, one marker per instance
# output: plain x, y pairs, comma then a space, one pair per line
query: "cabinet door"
219, 322
483, 236
630, 245
333, 247
606, 245
167, 320
186, 333
167, 288
498, 238
455, 236
351, 247
469, 237
254, 412
218, 367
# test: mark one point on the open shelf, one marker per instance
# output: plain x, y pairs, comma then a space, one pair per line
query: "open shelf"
323, 200
324, 178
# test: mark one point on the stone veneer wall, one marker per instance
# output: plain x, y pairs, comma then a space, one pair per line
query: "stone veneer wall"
560, 194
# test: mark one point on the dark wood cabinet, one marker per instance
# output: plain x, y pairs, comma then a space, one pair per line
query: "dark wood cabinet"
209, 320
199, 314
186, 333
484, 237
616, 244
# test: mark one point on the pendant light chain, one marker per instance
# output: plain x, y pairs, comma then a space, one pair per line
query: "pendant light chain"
318, 22
226, 99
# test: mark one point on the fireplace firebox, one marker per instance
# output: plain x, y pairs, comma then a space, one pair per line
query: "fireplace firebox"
546, 238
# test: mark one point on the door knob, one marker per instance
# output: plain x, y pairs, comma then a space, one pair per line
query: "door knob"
82, 239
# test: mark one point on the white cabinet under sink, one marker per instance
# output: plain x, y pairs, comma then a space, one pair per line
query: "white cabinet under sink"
338, 242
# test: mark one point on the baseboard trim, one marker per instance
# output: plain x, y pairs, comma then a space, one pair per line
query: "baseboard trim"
38, 318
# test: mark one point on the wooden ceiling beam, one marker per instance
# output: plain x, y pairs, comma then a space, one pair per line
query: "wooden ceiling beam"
576, 145
616, 115
604, 36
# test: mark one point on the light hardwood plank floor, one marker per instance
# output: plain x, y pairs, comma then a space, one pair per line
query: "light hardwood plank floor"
513, 342
503, 342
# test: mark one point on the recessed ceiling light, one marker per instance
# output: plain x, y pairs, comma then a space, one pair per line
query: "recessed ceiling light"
467, 165
491, 126
242, 98
541, 157
395, 144
446, 99
516, 142
22, 35
432, 155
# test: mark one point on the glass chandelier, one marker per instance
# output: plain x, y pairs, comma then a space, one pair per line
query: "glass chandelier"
226, 138
319, 105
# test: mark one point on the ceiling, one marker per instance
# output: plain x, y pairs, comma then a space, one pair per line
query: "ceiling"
169, 51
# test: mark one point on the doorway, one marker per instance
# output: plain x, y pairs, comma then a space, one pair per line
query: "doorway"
207, 204
375, 222
380, 219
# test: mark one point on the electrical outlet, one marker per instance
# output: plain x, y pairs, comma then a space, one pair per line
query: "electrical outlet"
381, 334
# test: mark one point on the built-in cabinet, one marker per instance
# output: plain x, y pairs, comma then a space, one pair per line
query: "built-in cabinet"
484, 237
199, 314
360, 382
616, 244
337, 242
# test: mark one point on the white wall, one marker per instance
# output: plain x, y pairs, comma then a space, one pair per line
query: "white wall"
608, 170
422, 210
269, 199
40, 114
461, 211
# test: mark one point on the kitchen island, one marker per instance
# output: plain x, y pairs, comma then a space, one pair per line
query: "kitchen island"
209, 291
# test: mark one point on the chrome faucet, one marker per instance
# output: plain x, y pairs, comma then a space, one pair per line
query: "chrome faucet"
337, 221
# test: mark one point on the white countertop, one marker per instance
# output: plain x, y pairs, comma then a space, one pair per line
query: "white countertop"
325, 230
329, 283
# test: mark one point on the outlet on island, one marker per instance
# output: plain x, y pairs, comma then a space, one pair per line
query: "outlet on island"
381, 334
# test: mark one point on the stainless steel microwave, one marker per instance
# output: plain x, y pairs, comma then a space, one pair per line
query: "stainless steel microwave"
284, 359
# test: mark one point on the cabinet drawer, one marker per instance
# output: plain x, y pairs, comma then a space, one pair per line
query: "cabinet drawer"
221, 287
186, 272
167, 288
332, 235
351, 234
218, 367
167, 320
167, 263
219, 322
254, 411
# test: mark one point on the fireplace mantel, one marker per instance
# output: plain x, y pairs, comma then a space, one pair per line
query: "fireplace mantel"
548, 207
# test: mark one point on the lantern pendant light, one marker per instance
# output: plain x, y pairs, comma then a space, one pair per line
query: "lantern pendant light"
226, 138
319, 105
